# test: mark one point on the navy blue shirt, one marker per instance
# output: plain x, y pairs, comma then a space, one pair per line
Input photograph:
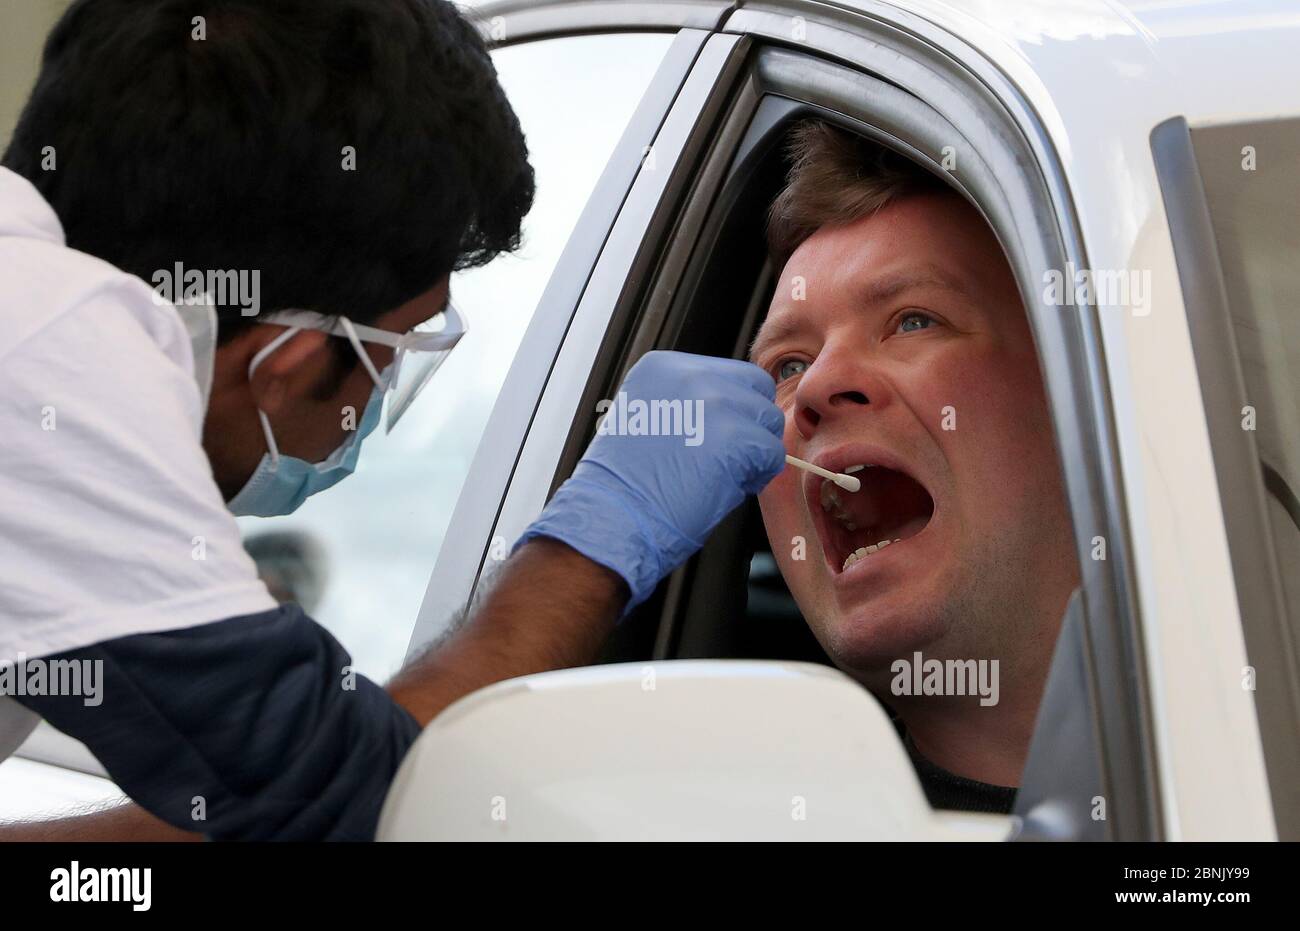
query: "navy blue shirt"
256, 723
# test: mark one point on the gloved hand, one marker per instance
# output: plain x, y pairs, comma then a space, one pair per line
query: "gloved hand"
642, 504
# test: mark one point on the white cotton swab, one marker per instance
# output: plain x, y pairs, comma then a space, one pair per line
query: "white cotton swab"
849, 483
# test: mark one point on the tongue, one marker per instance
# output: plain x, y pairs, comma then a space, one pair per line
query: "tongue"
907, 529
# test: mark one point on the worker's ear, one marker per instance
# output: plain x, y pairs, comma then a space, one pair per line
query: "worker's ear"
295, 366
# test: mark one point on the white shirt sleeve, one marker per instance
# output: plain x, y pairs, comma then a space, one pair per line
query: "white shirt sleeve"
110, 520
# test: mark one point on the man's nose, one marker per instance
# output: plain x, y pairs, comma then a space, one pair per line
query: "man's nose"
839, 381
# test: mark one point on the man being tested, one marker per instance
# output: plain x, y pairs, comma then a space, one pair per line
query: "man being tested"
902, 353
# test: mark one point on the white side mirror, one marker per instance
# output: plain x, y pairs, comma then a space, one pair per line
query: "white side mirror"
683, 750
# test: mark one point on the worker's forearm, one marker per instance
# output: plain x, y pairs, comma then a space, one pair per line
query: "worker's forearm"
639, 504
124, 822
551, 608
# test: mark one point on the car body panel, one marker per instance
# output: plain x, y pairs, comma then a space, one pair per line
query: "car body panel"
1094, 79
513, 21
1088, 80
687, 750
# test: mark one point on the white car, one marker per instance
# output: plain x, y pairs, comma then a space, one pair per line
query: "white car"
1148, 147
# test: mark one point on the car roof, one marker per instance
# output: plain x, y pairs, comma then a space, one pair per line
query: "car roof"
1210, 60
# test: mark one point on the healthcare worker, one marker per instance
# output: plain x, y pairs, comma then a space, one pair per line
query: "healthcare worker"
353, 153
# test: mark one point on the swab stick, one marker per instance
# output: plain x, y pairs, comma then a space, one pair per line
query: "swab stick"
849, 483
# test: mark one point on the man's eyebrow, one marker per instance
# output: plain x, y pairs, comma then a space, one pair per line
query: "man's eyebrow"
772, 332
875, 292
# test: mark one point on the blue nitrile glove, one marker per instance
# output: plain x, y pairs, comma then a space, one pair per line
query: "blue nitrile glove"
642, 504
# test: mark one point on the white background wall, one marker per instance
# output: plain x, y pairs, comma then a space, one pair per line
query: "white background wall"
23, 27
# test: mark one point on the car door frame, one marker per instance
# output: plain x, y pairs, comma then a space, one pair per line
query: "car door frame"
478, 534
937, 67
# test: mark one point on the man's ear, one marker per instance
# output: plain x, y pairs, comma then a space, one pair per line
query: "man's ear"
293, 367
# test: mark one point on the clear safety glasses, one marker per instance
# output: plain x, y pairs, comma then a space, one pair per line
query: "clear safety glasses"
417, 353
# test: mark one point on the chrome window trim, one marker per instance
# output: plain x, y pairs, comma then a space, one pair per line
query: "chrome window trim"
468, 542
550, 433
507, 22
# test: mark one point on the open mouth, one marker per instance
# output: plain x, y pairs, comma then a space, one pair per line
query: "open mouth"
891, 508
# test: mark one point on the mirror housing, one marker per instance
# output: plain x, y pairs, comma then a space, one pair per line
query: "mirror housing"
680, 750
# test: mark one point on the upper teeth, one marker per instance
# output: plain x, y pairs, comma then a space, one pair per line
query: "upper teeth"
866, 551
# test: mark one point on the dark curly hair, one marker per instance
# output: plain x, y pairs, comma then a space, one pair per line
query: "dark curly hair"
227, 151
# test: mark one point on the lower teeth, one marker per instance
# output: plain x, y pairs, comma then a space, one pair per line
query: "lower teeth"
866, 551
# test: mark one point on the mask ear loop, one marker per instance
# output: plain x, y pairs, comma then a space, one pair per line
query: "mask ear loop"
361, 351
257, 359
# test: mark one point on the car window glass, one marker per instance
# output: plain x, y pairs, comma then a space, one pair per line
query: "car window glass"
358, 556
1254, 201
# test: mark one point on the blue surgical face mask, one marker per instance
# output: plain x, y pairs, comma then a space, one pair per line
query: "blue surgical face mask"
280, 483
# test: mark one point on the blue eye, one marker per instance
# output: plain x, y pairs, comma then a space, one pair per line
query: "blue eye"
790, 368
914, 321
